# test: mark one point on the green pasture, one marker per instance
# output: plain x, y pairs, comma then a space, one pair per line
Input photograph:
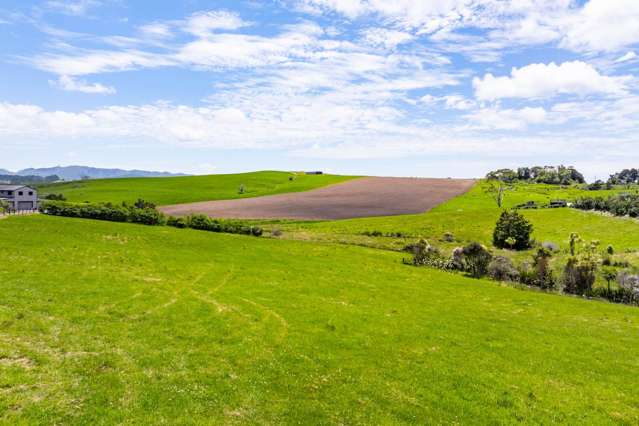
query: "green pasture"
187, 189
104, 323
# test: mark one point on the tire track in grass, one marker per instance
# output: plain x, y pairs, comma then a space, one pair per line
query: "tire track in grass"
268, 312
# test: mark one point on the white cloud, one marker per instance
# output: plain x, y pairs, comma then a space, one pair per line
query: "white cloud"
388, 39
87, 62
72, 7
595, 26
602, 25
543, 81
627, 57
157, 30
455, 102
203, 24
508, 119
72, 85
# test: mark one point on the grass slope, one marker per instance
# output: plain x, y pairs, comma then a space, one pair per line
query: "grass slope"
114, 323
176, 190
472, 217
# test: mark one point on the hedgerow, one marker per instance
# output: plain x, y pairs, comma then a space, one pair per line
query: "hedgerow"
144, 213
618, 205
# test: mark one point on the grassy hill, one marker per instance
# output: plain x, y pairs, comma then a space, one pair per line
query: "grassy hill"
112, 323
472, 217
187, 189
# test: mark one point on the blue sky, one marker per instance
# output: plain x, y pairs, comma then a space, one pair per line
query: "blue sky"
407, 88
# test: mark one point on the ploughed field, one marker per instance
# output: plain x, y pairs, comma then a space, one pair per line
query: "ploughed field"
363, 197
104, 322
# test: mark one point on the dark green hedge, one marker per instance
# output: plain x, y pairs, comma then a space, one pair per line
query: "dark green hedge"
146, 216
205, 223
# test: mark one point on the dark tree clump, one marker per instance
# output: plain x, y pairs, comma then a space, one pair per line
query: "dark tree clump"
512, 231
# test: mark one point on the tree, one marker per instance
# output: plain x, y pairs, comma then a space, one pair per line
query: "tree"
496, 189
512, 231
4, 207
580, 271
543, 272
476, 258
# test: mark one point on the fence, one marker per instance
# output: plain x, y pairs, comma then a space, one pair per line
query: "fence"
18, 213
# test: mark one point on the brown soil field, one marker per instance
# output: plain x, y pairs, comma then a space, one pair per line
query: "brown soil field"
364, 197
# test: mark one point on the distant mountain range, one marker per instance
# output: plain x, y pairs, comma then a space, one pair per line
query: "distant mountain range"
84, 172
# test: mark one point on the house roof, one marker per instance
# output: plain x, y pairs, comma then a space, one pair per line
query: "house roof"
11, 187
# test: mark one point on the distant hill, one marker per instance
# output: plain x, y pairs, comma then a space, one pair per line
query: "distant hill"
83, 172
5, 172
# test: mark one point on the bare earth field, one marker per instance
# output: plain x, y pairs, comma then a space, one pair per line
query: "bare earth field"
365, 197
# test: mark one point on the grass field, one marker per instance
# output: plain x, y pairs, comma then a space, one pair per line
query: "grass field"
106, 323
472, 217
175, 190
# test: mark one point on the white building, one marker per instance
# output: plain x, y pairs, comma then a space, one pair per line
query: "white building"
19, 197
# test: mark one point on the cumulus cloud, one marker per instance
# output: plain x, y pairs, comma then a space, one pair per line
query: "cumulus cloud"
547, 80
72, 85
602, 25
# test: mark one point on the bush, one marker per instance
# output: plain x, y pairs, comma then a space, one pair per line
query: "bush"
54, 197
146, 216
502, 269
204, 223
512, 231
578, 277
88, 211
543, 276
550, 246
475, 259
177, 222
142, 204
426, 255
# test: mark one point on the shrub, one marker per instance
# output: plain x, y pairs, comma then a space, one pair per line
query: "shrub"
476, 258
141, 204
629, 283
177, 222
527, 274
54, 197
543, 276
580, 271
241, 189
276, 232
88, 211
502, 269
146, 216
512, 231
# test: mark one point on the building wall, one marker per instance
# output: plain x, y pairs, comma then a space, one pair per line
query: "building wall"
25, 197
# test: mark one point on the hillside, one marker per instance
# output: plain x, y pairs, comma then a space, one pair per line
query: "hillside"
188, 189
472, 217
150, 325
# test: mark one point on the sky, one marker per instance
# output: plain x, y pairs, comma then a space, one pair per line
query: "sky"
438, 88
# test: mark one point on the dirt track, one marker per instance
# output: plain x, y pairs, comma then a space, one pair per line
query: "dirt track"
365, 197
